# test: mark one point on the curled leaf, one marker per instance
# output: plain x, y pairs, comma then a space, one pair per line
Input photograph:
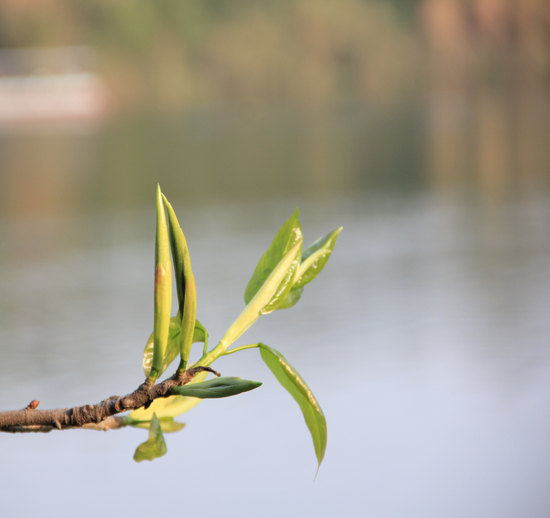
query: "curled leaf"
163, 289
217, 388
189, 318
185, 283
180, 253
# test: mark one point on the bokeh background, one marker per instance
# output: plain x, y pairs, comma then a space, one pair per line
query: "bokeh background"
421, 126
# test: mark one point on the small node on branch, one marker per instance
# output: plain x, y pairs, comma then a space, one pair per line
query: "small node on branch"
200, 368
32, 405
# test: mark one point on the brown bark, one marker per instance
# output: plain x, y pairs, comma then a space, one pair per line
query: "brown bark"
98, 417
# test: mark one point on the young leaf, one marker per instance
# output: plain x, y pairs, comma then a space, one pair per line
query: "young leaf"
281, 274
286, 238
154, 446
172, 406
313, 261
189, 318
163, 288
180, 253
173, 347
200, 334
217, 388
289, 378
315, 257
291, 299
185, 283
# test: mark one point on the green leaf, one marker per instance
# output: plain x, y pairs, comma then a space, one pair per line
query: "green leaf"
289, 378
313, 261
315, 257
288, 235
163, 288
154, 446
185, 283
167, 424
291, 299
257, 305
200, 334
217, 388
171, 406
173, 347
180, 253
189, 319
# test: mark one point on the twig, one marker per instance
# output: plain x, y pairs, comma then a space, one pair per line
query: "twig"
96, 417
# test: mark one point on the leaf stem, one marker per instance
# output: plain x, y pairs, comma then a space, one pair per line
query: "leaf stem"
241, 348
181, 368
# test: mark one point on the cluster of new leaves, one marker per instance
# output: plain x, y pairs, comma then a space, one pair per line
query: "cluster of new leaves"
277, 283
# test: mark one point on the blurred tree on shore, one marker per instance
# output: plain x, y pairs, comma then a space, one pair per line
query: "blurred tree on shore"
169, 55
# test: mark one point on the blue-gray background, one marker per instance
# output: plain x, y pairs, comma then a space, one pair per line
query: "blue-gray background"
427, 337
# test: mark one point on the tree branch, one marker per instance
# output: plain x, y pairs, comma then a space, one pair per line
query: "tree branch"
98, 417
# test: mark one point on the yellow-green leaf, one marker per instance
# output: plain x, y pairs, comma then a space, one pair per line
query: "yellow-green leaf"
314, 259
163, 288
167, 424
286, 238
180, 253
155, 446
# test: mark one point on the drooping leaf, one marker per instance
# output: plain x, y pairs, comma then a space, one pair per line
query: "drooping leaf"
173, 346
163, 288
289, 378
288, 235
155, 446
172, 406
217, 388
167, 424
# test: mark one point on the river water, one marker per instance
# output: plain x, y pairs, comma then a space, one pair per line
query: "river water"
426, 341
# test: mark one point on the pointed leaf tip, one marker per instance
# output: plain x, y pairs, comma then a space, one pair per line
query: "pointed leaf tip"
289, 378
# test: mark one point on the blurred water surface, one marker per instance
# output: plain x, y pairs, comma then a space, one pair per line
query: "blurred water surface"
426, 341
421, 127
